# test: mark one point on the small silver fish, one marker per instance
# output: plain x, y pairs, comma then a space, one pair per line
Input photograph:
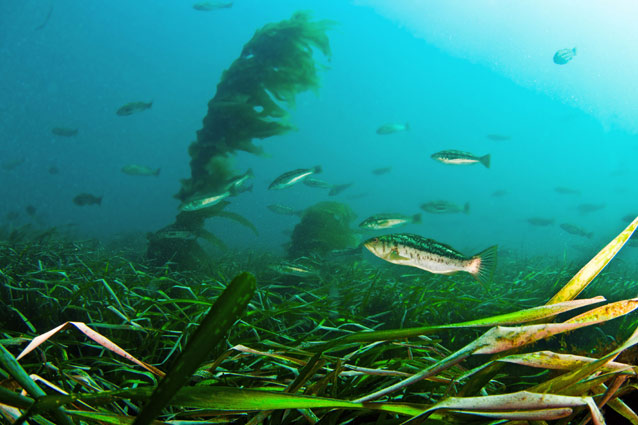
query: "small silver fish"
455, 157
283, 209
338, 188
576, 230
391, 128
174, 234
445, 207
427, 254
540, 221
237, 185
207, 6
381, 171
87, 199
133, 107
140, 170
588, 208
293, 269
11, 164
291, 177
64, 131
388, 221
562, 56
314, 182
498, 137
204, 201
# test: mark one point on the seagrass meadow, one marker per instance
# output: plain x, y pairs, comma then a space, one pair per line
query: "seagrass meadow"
318, 213
114, 340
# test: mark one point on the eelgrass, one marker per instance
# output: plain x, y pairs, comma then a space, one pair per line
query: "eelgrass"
352, 343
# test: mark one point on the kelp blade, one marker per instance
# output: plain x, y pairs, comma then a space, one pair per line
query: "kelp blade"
222, 315
522, 415
521, 316
501, 338
239, 219
580, 281
11, 365
229, 399
107, 418
574, 287
237, 399
522, 400
563, 381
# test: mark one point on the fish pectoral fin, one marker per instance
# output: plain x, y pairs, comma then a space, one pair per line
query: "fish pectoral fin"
395, 256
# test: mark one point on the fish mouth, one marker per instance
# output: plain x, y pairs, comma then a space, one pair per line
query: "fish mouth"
371, 244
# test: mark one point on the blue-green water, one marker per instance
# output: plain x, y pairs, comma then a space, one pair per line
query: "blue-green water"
455, 72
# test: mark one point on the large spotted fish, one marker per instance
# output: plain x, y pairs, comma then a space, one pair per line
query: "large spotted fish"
427, 254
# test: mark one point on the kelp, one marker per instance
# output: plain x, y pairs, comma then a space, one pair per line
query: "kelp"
253, 96
251, 102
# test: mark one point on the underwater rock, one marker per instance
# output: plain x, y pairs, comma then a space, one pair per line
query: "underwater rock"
324, 227
176, 246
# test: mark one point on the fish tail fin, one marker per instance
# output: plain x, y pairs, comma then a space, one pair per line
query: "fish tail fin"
485, 160
250, 173
483, 265
407, 125
149, 104
99, 200
156, 173
316, 169
590, 235
574, 51
416, 218
466, 208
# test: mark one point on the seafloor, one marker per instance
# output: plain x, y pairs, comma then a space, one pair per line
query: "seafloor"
292, 323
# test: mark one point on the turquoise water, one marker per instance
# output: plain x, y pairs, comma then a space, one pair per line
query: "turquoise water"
456, 73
